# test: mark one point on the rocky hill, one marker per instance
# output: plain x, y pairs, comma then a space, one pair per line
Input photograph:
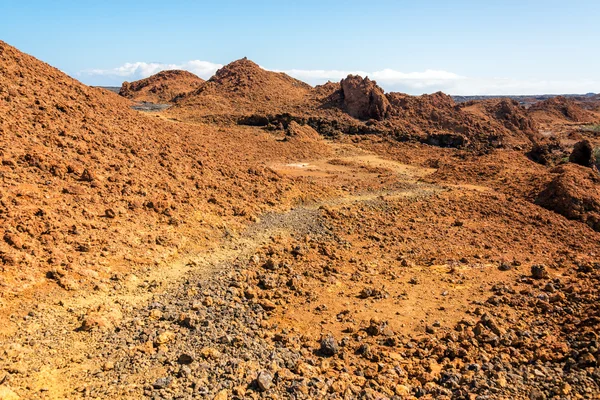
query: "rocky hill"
87, 182
162, 87
242, 92
561, 110
243, 88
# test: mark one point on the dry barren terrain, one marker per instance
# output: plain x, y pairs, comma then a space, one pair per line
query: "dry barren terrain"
264, 239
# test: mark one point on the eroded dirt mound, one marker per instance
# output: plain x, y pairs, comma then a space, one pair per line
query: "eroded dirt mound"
561, 110
574, 193
302, 132
509, 172
363, 99
162, 87
242, 88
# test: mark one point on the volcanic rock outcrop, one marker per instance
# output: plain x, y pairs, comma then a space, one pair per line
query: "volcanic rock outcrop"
162, 87
443, 122
363, 99
574, 193
506, 117
511, 115
584, 154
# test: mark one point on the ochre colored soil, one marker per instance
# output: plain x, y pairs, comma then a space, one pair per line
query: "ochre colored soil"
266, 239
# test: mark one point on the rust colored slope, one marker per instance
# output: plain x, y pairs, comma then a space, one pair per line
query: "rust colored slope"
561, 110
90, 187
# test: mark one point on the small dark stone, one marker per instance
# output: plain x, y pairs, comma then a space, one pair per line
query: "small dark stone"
539, 272
505, 267
162, 383
329, 346
86, 176
185, 359
271, 264
549, 288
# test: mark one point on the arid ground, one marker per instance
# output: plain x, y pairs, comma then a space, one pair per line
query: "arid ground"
260, 238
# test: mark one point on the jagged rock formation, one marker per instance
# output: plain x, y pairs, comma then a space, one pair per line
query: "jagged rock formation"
363, 99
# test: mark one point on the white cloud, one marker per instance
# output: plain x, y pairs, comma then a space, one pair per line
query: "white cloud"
140, 70
386, 77
318, 76
419, 82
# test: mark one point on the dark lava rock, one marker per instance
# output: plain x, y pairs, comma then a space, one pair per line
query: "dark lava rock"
505, 267
329, 346
162, 383
583, 154
185, 359
539, 272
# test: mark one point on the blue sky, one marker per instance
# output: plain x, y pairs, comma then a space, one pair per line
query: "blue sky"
461, 47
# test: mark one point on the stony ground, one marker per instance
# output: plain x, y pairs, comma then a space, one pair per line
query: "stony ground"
178, 254
421, 290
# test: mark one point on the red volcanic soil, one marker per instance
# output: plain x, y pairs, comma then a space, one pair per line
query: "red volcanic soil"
561, 110
88, 182
263, 238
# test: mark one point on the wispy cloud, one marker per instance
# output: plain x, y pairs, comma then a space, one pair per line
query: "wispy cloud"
140, 70
428, 81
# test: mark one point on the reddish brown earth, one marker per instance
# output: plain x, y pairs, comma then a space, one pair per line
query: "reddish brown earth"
574, 193
561, 110
81, 188
162, 87
243, 92
265, 239
242, 88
